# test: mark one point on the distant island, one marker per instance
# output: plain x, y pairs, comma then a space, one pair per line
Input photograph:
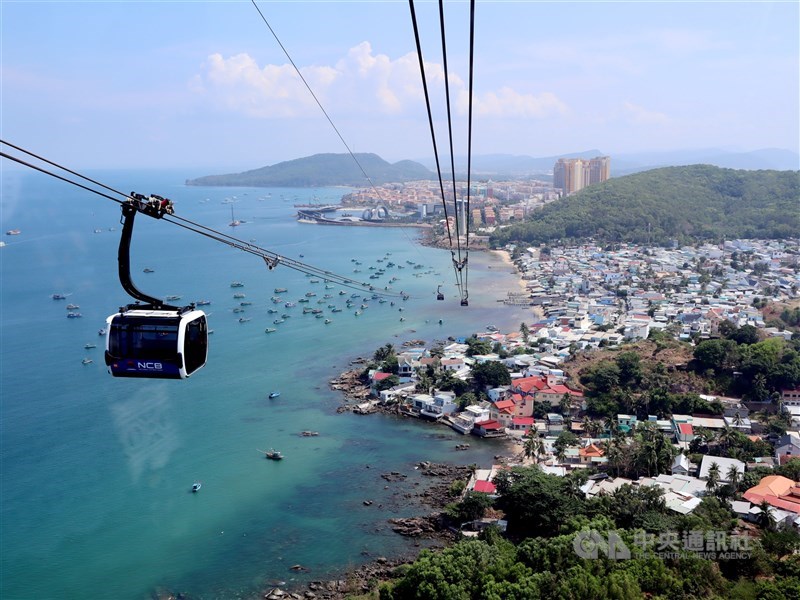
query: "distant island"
684, 204
322, 170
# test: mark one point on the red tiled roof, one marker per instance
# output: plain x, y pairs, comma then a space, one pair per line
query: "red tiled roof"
487, 487
562, 389
380, 375
491, 424
505, 406
523, 420
686, 428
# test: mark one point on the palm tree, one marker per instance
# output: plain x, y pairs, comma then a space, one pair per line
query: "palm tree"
728, 436
765, 519
614, 455
734, 477
566, 404
713, 478
534, 446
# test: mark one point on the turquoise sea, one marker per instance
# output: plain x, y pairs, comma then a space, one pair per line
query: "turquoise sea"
96, 472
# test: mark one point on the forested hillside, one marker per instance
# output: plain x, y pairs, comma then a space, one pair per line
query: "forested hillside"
687, 204
321, 170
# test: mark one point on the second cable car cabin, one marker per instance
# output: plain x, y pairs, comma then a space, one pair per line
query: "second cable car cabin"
156, 343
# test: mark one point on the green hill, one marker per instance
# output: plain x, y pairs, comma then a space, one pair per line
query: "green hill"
321, 170
692, 203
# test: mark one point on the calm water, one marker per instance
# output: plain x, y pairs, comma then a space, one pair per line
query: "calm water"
96, 471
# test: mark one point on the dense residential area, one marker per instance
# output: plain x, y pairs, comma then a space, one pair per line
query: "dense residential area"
655, 392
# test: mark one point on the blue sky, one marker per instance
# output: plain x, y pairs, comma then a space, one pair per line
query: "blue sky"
205, 86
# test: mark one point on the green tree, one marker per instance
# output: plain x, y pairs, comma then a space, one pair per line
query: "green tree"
525, 332
490, 374
713, 478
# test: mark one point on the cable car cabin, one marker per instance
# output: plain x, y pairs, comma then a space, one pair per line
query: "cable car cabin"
162, 344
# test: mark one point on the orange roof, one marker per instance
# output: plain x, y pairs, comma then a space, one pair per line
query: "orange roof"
591, 451
505, 406
778, 491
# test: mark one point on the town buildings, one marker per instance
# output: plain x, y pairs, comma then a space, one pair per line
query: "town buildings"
573, 174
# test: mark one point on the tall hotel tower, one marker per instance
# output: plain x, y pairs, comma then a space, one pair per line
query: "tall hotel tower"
573, 174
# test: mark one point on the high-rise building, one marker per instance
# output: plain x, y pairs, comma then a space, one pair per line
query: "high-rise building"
573, 174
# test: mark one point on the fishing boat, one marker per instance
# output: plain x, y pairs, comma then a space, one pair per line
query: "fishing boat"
87, 361
309, 433
237, 284
273, 454
285, 316
90, 346
74, 315
234, 221
290, 305
310, 294
101, 332
278, 321
173, 297
238, 310
243, 320
58, 297
13, 232
203, 302
238, 296
280, 290
272, 311
315, 281
196, 486
303, 300
274, 394
245, 303
73, 307
328, 321
270, 330
148, 270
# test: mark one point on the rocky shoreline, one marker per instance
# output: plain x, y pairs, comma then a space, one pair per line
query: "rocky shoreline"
433, 528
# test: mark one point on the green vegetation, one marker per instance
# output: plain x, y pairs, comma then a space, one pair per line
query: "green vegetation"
320, 170
687, 204
539, 560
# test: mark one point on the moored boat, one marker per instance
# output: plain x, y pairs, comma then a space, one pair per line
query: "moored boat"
87, 361
74, 315
237, 284
59, 297
274, 394
270, 330
280, 290
73, 307
196, 486
273, 454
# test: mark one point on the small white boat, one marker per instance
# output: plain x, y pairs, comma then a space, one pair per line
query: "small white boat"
87, 361
274, 394
196, 486
270, 330
90, 346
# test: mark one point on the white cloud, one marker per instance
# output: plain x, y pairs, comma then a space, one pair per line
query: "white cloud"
360, 83
643, 116
508, 103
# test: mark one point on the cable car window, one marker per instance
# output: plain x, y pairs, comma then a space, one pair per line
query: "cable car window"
141, 338
195, 344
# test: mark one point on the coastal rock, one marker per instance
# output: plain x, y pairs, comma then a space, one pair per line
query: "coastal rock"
414, 526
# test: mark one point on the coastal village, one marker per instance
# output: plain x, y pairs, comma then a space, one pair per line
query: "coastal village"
588, 301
